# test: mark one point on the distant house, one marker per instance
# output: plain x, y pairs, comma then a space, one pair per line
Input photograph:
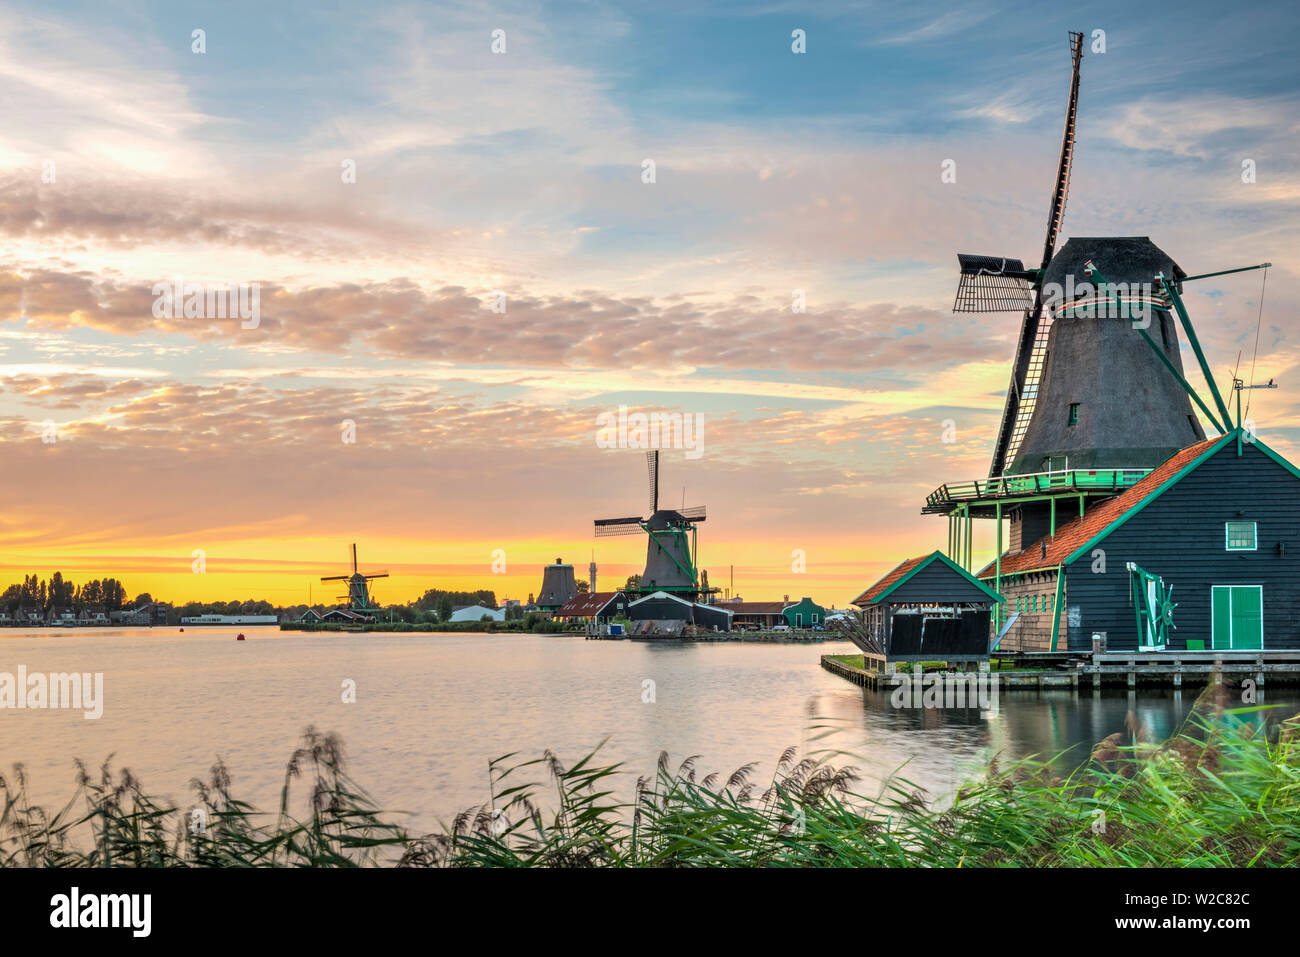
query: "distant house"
32, 616
92, 615
141, 616
757, 614
311, 616
476, 613
600, 607
347, 617
805, 613
5, 617
61, 616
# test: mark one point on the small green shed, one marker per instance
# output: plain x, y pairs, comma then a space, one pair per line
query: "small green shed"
805, 613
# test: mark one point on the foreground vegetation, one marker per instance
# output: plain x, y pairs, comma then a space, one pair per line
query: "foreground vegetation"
1222, 792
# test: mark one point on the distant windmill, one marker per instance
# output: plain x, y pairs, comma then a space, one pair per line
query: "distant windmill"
670, 551
358, 596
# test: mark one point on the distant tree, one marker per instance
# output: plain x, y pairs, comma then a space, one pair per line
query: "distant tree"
445, 608
12, 598
583, 586
144, 598
514, 612
432, 598
633, 583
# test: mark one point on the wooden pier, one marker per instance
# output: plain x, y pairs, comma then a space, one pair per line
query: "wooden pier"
1121, 669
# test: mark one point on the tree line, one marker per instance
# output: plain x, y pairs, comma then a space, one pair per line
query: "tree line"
36, 592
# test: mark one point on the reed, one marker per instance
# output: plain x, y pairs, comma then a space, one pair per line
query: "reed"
1224, 791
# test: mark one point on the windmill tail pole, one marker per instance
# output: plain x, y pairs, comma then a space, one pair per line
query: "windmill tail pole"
1195, 343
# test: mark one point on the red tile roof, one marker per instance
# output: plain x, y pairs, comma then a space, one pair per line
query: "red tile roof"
585, 605
879, 587
1074, 535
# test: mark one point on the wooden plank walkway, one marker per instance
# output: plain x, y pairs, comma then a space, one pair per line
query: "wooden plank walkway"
1168, 669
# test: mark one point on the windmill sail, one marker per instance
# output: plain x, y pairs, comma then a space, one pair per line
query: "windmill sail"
652, 464
992, 284
1031, 347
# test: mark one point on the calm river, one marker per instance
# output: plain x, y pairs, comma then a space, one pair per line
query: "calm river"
432, 710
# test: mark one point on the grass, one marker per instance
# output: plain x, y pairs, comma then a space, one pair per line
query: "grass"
1224, 791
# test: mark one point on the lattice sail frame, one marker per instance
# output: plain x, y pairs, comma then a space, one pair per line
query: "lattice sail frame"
992, 284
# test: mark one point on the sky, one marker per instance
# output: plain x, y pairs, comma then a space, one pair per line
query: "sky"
439, 332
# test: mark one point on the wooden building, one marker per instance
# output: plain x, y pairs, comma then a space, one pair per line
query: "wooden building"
663, 606
1218, 524
599, 608
928, 608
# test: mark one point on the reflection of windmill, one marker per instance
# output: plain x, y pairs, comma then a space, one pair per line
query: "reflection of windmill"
670, 552
358, 596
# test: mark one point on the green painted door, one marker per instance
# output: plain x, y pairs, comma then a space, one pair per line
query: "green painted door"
1237, 615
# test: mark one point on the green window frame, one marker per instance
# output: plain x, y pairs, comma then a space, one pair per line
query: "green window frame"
1074, 413
1237, 617
1241, 536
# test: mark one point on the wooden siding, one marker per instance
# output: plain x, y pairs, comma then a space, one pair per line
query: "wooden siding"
938, 584
1180, 536
1033, 629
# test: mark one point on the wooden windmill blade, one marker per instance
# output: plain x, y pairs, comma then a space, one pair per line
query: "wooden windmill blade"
608, 527
652, 465
1032, 343
695, 513
992, 284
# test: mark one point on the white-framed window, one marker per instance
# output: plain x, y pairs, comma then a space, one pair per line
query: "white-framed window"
1240, 536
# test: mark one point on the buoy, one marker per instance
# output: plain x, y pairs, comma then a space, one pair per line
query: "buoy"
182, 629
239, 637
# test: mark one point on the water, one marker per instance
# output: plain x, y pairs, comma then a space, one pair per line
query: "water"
432, 710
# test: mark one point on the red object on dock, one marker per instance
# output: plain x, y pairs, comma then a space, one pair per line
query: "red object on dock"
239, 637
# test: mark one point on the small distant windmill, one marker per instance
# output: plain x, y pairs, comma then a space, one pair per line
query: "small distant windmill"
358, 597
670, 552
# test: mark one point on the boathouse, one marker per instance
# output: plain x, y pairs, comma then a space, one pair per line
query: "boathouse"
929, 607
661, 606
1213, 534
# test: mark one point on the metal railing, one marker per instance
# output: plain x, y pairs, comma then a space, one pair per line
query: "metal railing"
1035, 483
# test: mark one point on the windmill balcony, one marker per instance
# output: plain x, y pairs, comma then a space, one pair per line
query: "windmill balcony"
1006, 489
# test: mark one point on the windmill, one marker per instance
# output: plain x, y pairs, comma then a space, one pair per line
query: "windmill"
670, 551
358, 597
